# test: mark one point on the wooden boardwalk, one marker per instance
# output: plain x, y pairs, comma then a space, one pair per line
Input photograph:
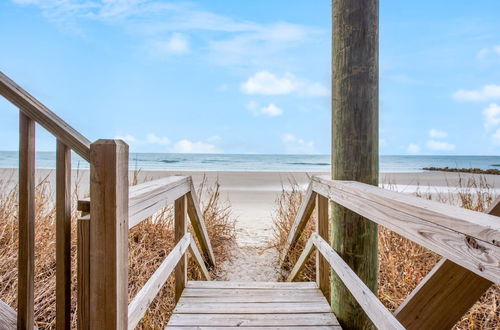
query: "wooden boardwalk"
252, 305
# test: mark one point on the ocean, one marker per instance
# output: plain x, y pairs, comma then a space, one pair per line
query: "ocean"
286, 163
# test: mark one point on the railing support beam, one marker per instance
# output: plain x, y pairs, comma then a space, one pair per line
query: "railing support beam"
26, 259
63, 236
179, 232
109, 234
323, 228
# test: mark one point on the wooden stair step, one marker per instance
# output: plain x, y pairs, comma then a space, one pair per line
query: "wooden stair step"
252, 305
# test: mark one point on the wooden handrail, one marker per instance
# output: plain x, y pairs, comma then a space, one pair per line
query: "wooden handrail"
147, 198
137, 308
470, 239
35, 110
374, 309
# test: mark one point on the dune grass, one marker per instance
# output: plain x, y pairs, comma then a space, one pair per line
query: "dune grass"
402, 263
149, 243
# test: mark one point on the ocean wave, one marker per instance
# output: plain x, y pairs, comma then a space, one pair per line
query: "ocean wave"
169, 161
305, 163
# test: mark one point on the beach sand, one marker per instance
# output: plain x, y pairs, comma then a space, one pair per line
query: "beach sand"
252, 197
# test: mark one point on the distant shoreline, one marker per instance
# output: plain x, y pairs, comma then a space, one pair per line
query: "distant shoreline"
463, 170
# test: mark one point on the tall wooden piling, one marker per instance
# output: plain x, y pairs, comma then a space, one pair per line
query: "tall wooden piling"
355, 144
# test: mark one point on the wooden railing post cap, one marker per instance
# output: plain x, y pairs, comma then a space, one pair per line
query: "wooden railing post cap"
117, 142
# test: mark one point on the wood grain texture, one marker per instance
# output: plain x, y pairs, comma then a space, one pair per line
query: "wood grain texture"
373, 308
147, 198
251, 308
253, 320
145, 296
35, 110
444, 295
301, 262
355, 137
198, 224
463, 236
63, 236
301, 219
252, 305
250, 285
8, 317
323, 230
109, 234
180, 272
83, 272
193, 248
26, 258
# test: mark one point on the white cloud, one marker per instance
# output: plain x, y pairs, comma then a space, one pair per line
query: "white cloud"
294, 145
271, 110
440, 145
413, 148
437, 134
127, 138
178, 44
245, 42
487, 51
187, 146
267, 83
154, 139
495, 137
486, 93
491, 116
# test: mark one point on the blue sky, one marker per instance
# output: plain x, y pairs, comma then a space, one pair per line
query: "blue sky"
250, 76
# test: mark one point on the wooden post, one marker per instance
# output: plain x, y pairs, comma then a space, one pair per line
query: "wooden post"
26, 258
83, 273
355, 144
180, 231
323, 228
63, 236
108, 234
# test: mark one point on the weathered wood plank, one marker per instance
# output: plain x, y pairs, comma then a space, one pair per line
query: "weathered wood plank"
26, 258
198, 224
323, 230
147, 198
374, 309
430, 224
444, 295
180, 272
250, 285
43, 116
83, 272
8, 317
145, 296
249, 292
252, 308
193, 248
301, 262
109, 234
63, 236
301, 219
290, 297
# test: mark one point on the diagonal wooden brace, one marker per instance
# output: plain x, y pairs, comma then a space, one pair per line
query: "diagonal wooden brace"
444, 295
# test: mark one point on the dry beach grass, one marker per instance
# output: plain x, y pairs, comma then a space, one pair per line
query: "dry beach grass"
402, 263
149, 243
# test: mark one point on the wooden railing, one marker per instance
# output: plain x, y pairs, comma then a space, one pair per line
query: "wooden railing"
32, 111
469, 241
102, 229
144, 201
